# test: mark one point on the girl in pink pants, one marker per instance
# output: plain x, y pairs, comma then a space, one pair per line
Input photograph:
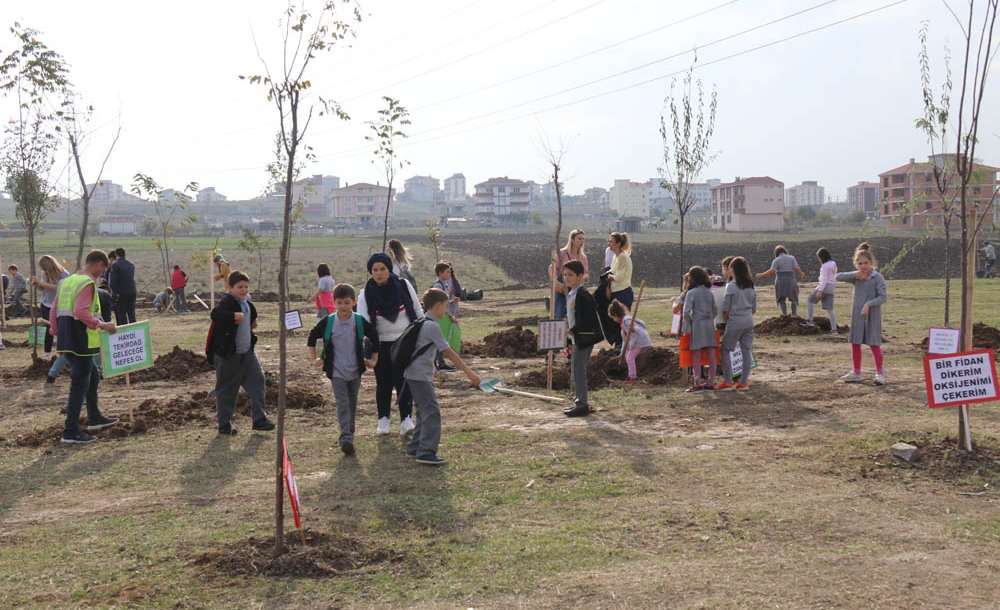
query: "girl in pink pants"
639, 340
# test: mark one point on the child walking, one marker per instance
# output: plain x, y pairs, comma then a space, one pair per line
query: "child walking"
825, 291
866, 314
738, 307
350, 344
699, 321
636, 341
419, 375
584, 333
231, 349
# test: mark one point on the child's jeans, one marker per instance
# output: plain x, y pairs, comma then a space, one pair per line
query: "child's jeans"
630, 357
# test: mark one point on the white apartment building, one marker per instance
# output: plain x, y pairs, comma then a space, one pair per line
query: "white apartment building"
454, 188
807, 193
421, 189
505, 200
630, 199
749, 204
315, 193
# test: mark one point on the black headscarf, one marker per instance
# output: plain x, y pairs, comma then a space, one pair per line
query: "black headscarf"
385, 300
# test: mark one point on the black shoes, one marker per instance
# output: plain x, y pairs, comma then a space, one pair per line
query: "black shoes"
348, 449
431, 460
263, 425
80, 438
577, 411
227, 430
104, 422
49, 380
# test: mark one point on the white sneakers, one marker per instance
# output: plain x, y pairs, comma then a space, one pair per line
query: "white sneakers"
383, 426
406, 426
851, 377
880, 378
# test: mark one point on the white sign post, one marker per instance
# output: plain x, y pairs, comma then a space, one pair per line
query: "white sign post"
961, 379
293, 319
675, 325
943, 340
128, 349
551, 335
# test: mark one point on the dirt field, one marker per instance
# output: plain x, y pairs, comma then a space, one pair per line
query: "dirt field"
783, 497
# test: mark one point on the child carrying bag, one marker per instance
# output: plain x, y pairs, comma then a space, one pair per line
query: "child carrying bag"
404, 350
359, 327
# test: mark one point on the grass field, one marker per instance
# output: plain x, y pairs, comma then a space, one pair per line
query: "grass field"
785, 497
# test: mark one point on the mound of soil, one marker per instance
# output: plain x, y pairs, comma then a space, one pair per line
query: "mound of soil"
514, 342
784, 326
273, 297
654, 366
36, 370
297, 399
940, 458
984, 336
176, 365
523, 321
323, 555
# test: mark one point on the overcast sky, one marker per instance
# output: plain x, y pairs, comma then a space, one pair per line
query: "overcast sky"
836, 105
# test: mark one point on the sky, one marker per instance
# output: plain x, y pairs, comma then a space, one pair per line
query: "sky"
487, 82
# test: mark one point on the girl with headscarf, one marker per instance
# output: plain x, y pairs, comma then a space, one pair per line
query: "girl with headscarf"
391, 304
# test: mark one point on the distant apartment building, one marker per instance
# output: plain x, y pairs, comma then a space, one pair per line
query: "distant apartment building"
749, 204
809, 193
597, 197
210, 195
504, 200
700, 194
629, 199
360, 203
421, 189
119, 225
106, 191
863, 197
315, 194
454, 188
909, 196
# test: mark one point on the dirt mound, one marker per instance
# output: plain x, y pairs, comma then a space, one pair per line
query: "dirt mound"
36, 370
323, 555
941, 459
297, 399
176, 365
273, 297
984, 336
654, 366
514, 342
523, 321
783, 326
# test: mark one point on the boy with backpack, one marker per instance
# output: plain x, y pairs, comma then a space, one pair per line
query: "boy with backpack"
230, 349
350, 344
414, 353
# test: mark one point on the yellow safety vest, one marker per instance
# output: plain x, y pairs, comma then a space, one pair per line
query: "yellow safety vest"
69, 289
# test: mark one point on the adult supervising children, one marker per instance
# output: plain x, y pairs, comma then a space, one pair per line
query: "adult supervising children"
75, 322
621, 269
178, 283
391, 304
122, 281
573, 251
785, 269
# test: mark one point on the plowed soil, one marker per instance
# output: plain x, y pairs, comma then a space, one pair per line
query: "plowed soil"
940, 459
514, 342
176, 365
784, 326
323, 555
36, 370
654, 366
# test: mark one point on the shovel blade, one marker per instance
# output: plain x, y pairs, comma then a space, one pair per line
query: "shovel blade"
489, 385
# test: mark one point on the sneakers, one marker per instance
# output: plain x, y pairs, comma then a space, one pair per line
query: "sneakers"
80, 438
851, 377
348, 449
49, 380
431, 460
263, 425
880, 378
808, 324
406, 426
227, 430
104, 422
383, 426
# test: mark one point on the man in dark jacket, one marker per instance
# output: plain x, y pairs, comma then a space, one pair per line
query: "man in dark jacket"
584, 333
230, 349
122, 283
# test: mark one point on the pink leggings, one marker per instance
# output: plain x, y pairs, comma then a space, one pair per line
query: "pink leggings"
876, 354
630, 356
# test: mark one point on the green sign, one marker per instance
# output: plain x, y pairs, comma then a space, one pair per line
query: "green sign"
36, 334
127, 350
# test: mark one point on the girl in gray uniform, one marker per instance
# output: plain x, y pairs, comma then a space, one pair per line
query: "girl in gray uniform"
866, 314
738, 307
699, 320
785, 269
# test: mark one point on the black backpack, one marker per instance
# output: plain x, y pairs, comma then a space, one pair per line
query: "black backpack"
404, 351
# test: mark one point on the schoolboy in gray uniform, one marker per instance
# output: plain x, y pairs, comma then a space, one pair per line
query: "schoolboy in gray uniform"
738, 307
348, 341
419, 377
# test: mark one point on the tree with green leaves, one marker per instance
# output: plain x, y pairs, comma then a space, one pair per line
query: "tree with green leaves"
386, 131
686, 136
36, 76
170, 213
256, 245
306, 34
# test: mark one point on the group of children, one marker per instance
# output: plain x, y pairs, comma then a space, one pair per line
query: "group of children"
385, 327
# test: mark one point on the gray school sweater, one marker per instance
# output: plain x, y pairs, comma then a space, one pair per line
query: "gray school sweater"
699, 317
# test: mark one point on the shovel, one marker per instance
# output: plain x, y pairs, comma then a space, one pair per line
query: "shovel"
495, 385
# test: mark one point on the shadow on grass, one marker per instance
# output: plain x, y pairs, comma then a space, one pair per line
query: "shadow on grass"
53, 468
633, 446
203, 478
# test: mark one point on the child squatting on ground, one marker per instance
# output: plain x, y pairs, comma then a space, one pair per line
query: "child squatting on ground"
584, 333
738, 307
419, 376
350, 344
636, 340
231, 349
866, 314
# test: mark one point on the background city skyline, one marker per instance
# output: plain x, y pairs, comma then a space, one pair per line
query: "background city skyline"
485, 82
